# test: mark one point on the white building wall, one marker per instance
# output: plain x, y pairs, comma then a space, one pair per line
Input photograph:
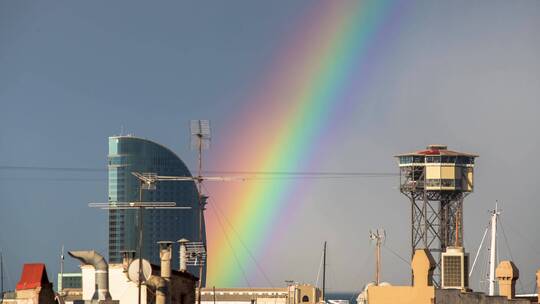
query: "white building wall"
120, 287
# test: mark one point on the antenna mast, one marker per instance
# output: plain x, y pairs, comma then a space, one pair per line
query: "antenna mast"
493, 250
200, 139
378, 236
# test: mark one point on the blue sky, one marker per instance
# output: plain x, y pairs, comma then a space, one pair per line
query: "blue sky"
73, 73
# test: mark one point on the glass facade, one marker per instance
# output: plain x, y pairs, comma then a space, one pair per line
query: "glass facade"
129, 154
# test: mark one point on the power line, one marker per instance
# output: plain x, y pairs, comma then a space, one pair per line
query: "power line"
228, 240
231, 172
43, 168
216, 207
408, 263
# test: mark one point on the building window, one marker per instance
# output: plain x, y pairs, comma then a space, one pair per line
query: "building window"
305, 299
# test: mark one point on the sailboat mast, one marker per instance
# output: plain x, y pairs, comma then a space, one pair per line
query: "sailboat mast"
493, 251
324, 273
1, 276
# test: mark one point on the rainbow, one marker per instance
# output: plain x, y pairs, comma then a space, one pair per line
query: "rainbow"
312, 82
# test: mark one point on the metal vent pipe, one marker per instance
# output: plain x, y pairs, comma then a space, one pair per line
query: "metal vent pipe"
183, 255
91, 257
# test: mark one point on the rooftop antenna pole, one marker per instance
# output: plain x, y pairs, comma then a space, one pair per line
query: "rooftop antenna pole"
378, 236
140, 205
140, 242
493, 249
324, 273
200, 139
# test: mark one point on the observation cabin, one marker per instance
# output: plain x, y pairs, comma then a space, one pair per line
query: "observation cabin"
436, 169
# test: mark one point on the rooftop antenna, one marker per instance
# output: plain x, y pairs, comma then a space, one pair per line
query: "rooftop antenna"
200, 139
140, 205
377, 236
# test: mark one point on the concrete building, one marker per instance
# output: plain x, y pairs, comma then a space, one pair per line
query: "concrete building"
293, 294
129, 154
126, 292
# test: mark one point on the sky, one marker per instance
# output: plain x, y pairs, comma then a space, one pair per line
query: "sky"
461, 73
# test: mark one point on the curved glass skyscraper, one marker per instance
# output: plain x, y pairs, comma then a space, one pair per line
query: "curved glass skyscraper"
129, 154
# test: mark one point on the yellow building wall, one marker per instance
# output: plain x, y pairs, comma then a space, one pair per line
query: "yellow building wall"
401, 294
470, 181
448, 172
433, 172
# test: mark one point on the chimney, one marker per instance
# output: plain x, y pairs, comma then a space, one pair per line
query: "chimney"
507, 274
183, 255
165, 254
422, 266
538, 284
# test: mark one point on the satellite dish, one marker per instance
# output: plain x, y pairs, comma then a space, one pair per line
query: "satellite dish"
133, 271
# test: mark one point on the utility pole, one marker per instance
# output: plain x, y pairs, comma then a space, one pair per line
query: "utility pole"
378, 236
493, 250
324, 273
61, 281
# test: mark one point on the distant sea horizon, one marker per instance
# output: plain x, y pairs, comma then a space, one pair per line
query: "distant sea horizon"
343, 295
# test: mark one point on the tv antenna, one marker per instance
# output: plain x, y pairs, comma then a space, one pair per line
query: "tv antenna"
140, 205
200, 140
378, 236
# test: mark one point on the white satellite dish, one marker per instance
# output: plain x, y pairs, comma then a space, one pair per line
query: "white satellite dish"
133, 271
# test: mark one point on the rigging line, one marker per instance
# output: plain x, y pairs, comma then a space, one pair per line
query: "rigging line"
240, 239
364, 265
509, 250
232, 249
478, 251
397, 255
526, 239
319, 270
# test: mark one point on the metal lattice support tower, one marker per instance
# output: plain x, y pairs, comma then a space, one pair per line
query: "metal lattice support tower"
436, 181
433, 223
